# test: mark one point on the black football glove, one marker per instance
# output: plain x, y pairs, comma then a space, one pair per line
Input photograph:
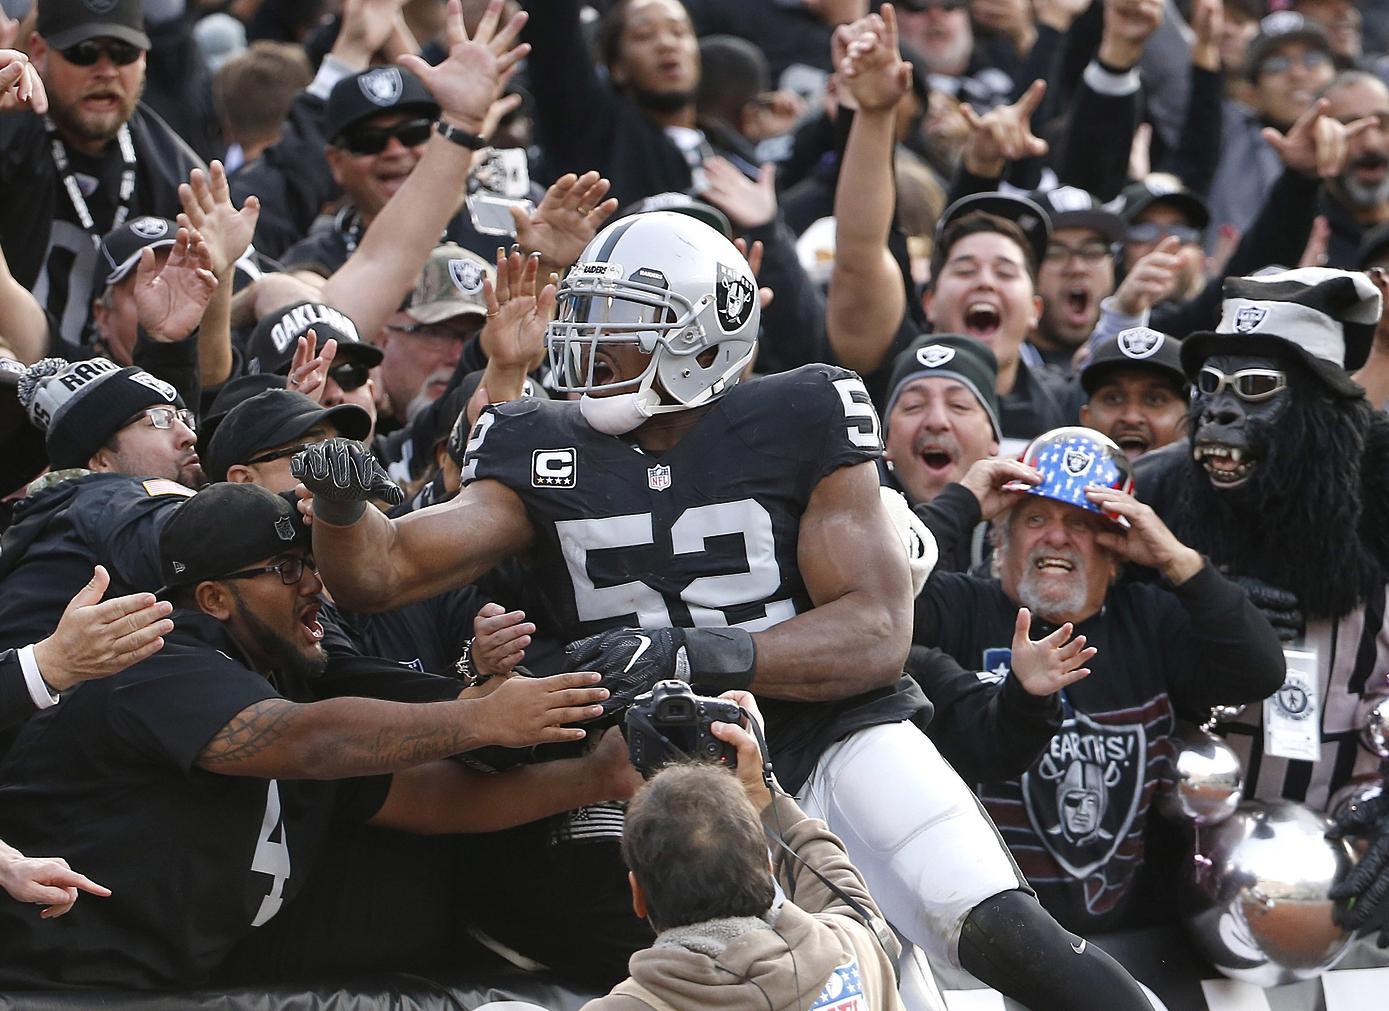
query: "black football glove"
631, 661
1282, 608
343, 476
1362, 897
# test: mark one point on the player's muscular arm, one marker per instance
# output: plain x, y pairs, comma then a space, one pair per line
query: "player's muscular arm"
857, 636
337, 738
377, 564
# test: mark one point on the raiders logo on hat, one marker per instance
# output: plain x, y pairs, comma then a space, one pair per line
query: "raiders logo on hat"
1140, 342
157, 385
382, 86
733, 296
933, 356
150, 228
1248, 318
1076, 462
467, 276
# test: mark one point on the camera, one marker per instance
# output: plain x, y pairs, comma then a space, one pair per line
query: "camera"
671, 722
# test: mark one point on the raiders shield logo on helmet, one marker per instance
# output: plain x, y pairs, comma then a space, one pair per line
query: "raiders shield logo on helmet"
1248, 318
1139, 342
381, 86
1076, 461
733, 296
1083, 793
150, 228
467, 276
933, 356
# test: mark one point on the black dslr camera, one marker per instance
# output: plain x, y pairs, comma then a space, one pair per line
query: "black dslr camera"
671, 722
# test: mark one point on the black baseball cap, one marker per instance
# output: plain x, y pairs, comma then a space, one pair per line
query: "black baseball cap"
120, 247
1138, 197
64, 23
948, 356
380, 89
270, 348
1278, 29
1069, 207
274, 418
1138, 347
682, 204
233, 392
223, 529
1023, 212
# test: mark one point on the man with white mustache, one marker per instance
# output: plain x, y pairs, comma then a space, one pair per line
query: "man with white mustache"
1162, 650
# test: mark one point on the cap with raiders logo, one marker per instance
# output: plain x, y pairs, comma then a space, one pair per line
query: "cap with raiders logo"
1138, 347
252, 525
380, 89
450, 285
948, 356
1279, 29
120, 247
270, 348
1072, 459
1159, 188
1069, 207
80, 405
275, 418
1023, 212
64, 23
1302, 313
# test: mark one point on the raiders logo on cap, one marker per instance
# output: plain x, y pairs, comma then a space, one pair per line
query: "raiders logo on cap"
933, 356
157, 385
467, 276
1248, 318
733, 295
1076, 462
150, 228
1140, 342
382, 86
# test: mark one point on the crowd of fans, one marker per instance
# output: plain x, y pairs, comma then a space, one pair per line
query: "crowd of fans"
393, 391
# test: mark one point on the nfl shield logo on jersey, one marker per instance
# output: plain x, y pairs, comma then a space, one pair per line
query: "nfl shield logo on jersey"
1248, 318
658, 477
382, 86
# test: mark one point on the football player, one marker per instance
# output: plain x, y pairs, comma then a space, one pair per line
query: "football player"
683, 523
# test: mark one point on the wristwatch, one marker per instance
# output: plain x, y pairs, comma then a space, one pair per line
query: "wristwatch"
464, 667
459, 136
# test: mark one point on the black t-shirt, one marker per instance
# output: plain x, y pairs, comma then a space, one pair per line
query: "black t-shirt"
195, 861
705, 534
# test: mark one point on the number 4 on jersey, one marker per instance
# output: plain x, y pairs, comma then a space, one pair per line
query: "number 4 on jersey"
271, 857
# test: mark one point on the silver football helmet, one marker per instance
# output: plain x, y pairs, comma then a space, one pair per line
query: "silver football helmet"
673, 288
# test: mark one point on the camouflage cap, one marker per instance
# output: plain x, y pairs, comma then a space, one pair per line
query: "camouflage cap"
450, 285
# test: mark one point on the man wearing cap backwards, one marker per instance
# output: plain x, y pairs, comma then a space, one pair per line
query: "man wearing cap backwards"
205, 759
108, 159
1074, 819
1283, 483
1136, 390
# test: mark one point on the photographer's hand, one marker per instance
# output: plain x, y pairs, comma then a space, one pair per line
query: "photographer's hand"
749, 770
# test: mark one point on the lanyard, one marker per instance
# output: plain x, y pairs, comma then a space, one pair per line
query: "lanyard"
79, 202
349, 225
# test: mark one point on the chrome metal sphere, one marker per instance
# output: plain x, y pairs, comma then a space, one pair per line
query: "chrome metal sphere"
1209, 779
1375, 734
1256, 903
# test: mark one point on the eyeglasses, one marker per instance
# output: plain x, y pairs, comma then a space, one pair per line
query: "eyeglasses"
1313, 59
290, 571
280, 454
1149, 231
164, 417
411, 133
349, 375
87, 52
1248, 384
1091, 252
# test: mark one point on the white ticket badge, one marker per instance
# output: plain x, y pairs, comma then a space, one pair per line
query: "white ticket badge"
1292, 715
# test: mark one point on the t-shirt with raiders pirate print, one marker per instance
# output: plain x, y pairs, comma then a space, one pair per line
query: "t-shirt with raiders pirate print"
704, 534
1074, 819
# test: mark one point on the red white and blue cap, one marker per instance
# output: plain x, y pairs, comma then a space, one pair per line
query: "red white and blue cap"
1072, 459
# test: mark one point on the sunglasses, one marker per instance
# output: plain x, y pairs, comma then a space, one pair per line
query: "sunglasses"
164, 417
280, 454
1281, 64
410, 133
1150, 232
87, 52
1248, 384
290, 571
349, 375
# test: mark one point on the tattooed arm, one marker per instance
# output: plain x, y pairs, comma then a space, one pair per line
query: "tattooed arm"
338, 738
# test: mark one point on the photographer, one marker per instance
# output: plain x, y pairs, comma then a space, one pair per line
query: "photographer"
699, 873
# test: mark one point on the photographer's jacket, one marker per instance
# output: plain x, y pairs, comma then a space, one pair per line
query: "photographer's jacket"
811, 953
1075, 819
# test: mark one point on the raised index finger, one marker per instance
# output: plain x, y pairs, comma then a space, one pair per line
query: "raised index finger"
1031, 98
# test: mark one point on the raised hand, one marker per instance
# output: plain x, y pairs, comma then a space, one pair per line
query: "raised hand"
500, 638
97, 638
570, 214
514, 335
209, 211
1147, 541
343, 477
523, 711
1207, 26
1003, 134
1128, 25
997, 482
1012, 19
1315, 145
1044, 666
307, 370
366, 26
869, 62
169, 302
753, 254
476, 70
748, 203
1152, 278
20, 84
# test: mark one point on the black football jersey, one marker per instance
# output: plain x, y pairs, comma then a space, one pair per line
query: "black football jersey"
703, 535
